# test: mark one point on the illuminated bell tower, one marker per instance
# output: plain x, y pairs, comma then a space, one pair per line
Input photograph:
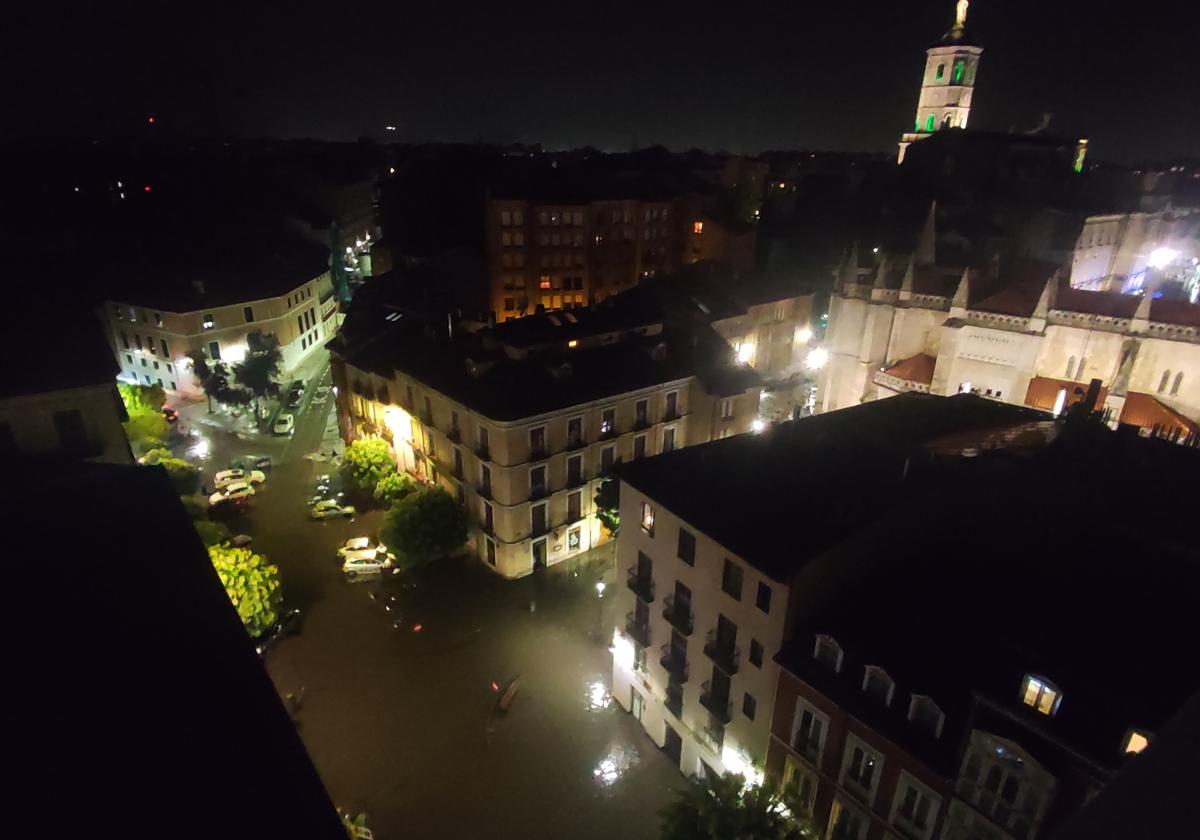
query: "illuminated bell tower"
948, 85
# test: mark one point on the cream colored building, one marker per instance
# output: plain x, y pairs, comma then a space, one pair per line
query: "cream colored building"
153, 343
1136, 252
521, 432
907, 324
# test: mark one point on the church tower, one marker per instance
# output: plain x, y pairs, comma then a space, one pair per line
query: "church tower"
948, 84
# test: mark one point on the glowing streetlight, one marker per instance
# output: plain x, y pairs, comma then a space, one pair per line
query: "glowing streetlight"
804, 335
758, 425
817, 358
600, 587
1162, 257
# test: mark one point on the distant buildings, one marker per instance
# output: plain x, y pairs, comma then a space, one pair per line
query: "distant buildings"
521, 421
1155, 253
1011, 330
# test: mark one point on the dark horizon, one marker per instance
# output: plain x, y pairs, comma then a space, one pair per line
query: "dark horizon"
841, 79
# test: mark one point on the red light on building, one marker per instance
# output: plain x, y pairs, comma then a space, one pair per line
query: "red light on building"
150, 120
146, 188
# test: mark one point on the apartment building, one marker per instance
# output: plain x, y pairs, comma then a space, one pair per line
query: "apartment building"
520, 422
725, 547
154, 330
966, 686
65, 405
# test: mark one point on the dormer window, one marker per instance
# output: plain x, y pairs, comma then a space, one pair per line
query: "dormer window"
1135, 741
925, 713
1041, 695
878, 685
828, 653
209, 323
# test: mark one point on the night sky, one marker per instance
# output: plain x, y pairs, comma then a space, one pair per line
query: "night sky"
737, 75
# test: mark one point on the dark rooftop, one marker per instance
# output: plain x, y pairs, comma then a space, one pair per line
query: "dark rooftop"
58, 364
819, 477
143, 708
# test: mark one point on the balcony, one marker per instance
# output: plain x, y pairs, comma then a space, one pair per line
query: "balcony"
675, 703
679, 617
636, 630
724, 656
609, 432
674, 662
720, 707
641, 586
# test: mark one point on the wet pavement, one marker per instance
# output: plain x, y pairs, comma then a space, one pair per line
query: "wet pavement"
398, 706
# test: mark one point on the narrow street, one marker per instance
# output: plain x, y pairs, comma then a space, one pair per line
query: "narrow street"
398, 707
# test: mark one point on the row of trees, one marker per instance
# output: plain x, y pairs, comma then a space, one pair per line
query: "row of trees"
722, 807
246, 382
423, 523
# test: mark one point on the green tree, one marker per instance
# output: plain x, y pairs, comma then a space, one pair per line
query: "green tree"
252, 584
608, 504
723, 807
393, 487
183, 474
367, 460
146, 426
212, 533
424, 526
258, 370
212, 377
141, 399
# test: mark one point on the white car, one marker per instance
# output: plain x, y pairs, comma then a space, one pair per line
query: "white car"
367, 565
321, 394
329, 508
285, 424
236, 490
361, 548
226, 477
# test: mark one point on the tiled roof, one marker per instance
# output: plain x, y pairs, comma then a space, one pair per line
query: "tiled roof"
918, 368
1147, 411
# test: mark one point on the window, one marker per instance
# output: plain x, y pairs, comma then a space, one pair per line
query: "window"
808, 731
214, 350
941, 72
640, 412
137, 340
731, 579
959, 68
156, 365
299, 323
762, 598
802, 782
506, 238
129, 358
1040, 694
914, 808
756, 653
125, 339
505, 217
639, 447
209, 323
488, 518
697, 227
1175, 385
926, 714
607, 456
828, 653
647, 518
686, 550
574, 506
1135, 741
668, 440
166, 350
672, 405
491, 550
248, 313
929, 123
518, 217
410, 401
72, 433
537, 442
878, 685
537, 482
608, 421
862, 766
143, 362
574, 470
749, 705
537, 518
485, 479
575, 432
727, 408
170, 369
1071, 368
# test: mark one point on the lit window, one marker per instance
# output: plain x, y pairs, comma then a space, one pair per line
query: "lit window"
697, 227
208, 321
929, 123
544, 283
828, 652
1136, 740
941, 71
647, 518
573, 343
1040, 694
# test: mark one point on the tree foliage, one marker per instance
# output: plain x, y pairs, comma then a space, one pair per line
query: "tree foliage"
146, 426
367, 460
721, 807
252, 584
256, 373
424, 526
393, 487
212, 533
183, 474
608, 504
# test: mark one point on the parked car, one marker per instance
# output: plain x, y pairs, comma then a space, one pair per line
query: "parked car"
288, 623
354, 566
321, 394
285, 424
293, 398
226, 477
252, 462
234, 490
329, 508
170, 414
361, 548
241, 541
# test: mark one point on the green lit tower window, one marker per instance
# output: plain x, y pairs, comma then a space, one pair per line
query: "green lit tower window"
941, 71
958, 72
929, 123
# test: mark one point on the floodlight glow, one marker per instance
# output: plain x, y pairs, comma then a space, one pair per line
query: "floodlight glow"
736, 762
622, 651
745, 352
817, 358
758, 425
1161, 257
804, 335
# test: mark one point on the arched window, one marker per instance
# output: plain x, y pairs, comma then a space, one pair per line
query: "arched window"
1162, 383
1079, 370
948, 121
929, 123
1175, 385
1071, 368
941, 72
959, 68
